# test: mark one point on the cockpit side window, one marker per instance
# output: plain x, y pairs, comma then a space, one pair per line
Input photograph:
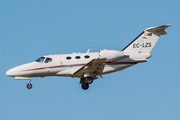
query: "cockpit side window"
41, 59
48, 60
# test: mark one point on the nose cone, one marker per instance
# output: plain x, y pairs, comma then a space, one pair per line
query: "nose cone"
11, 72
16, 71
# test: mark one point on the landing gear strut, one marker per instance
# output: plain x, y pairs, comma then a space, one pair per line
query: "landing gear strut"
85, 82
29, 85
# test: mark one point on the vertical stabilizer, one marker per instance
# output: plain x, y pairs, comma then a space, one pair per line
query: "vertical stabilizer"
145, 42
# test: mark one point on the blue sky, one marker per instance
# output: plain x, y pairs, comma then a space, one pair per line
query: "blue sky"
30, 29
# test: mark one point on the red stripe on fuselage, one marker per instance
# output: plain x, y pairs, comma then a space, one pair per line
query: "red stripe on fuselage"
106, 63
55, 67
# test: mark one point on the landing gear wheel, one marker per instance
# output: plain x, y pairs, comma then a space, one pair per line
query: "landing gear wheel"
89, 80
85, 86
29, 85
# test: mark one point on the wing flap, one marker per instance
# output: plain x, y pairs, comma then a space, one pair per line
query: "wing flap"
93, 68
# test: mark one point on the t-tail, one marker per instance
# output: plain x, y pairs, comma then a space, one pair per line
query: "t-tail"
140, 48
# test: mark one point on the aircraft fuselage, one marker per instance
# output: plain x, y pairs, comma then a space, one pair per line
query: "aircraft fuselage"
61, 66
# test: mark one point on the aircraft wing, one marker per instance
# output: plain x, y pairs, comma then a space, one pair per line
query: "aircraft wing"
94, 68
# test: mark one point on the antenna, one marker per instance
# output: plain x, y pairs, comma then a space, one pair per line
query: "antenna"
88, 50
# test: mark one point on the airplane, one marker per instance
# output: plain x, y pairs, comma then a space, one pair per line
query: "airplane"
88, 66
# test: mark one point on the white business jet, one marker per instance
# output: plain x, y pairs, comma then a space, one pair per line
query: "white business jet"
88, 66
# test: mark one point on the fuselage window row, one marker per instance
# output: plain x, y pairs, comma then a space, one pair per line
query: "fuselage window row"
78, 57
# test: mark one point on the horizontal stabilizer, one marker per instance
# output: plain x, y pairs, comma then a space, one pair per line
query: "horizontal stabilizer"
160, 28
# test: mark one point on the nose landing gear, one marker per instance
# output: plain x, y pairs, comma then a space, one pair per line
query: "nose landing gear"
29, 85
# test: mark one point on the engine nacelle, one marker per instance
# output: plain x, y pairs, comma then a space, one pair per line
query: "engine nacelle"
111, 55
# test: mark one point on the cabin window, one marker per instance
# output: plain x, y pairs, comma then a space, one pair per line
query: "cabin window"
77, 57
68, 58
41, 59
87, 56
48, 60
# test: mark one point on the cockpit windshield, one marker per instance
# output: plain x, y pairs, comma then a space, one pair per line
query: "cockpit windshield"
41, 59
48, 60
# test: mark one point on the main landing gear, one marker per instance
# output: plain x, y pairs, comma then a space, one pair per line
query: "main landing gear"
85, 82
29, 85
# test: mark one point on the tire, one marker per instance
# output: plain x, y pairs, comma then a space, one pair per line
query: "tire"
89, 80
85, 86
29, 86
